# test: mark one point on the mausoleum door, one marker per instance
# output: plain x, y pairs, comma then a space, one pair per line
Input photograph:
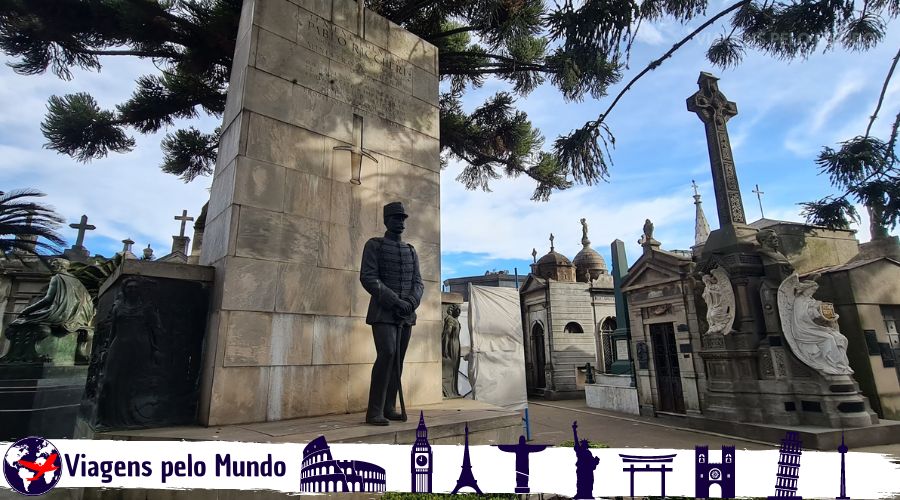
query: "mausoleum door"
537, 348
665, 360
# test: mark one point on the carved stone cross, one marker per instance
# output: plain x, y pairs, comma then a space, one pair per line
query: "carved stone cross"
357, 151
714, 110
82, 227
184, 219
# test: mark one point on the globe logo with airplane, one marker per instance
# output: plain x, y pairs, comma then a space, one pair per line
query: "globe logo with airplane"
32, 466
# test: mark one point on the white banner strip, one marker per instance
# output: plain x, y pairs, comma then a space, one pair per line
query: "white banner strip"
261, 466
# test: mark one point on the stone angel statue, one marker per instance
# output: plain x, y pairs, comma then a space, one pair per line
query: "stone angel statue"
719, 298
810, 327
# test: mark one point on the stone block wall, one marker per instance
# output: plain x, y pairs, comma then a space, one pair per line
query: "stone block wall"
571, 302
286, 227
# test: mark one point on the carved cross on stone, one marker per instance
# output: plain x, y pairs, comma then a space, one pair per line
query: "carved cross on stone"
82, 227
357, 151
714, 110
184, 219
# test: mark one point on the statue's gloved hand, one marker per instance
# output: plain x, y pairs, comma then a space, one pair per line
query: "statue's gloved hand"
405, 308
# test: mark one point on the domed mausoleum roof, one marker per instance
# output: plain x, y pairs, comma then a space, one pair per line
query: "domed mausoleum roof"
554, 258
588, 263
555, 266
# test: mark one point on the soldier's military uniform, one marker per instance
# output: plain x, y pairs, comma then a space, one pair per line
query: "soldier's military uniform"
390, 273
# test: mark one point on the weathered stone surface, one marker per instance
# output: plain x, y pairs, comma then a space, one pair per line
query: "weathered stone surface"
221, 193
283, 144
612, 395
216, 244
307, 195
342, 247
425, 225
344, 14
339, 340
299, 391
410, 48
233, 140
430, 308
425, 86
321, 8
291, 62
358, 389
424, 345
248, 284
429, 261
269, 339
377, 29
355, 206
422, 382
404, 180
275, 236
314, 290
239, 395
278, 16
259, 184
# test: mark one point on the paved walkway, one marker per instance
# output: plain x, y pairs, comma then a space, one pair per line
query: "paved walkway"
551, 422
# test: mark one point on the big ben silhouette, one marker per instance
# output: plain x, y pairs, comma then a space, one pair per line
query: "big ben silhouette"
420, 465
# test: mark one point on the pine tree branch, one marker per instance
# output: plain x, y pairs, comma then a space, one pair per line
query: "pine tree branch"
884, 88
138, 53
462, 29
657, 62
507, 65
404, 15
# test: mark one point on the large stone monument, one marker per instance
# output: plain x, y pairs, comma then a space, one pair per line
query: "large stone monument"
331, 113
757, 370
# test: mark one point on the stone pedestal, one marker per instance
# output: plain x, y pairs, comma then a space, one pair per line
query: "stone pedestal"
39, 400
752, 374
145, 362
327, 120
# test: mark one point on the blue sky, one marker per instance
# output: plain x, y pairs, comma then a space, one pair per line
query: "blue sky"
787, 112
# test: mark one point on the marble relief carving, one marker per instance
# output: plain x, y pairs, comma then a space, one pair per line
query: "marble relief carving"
810, 327
719, 298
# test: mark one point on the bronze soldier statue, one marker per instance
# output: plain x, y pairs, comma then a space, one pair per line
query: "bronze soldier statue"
390, 273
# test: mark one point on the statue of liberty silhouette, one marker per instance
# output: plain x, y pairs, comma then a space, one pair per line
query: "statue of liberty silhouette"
585, 464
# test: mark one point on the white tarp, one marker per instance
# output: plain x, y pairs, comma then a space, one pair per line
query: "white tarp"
497, 366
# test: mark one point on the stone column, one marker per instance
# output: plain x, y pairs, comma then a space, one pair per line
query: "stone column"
323, 126
622, 333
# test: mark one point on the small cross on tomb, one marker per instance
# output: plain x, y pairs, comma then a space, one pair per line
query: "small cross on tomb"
759, 198
82, 227
184, 219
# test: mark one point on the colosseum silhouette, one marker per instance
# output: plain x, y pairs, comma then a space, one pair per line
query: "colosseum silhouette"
321, 473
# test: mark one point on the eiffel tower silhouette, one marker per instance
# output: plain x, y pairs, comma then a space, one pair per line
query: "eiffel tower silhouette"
465, 476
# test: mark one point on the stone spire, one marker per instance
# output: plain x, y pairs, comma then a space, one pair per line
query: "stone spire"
701, 226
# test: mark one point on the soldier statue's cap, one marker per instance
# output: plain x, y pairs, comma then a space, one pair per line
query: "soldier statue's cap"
394, 208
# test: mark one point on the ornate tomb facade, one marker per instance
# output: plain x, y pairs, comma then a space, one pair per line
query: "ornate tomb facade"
569, 315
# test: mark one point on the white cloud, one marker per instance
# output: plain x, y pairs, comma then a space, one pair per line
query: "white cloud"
650, 35
124, 195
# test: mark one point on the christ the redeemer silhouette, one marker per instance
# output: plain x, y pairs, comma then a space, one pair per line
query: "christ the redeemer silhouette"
522, 450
